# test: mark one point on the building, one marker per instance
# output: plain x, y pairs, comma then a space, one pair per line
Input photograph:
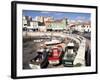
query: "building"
29, 23
39, 19
56, 25
87, 28
26, 20
44, 23
34, 25
80, 26
84, 27
48, 18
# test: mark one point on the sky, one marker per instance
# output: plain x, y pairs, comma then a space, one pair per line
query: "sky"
58, 15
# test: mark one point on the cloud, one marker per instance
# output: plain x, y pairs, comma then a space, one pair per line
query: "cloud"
58, 14
44, 12
53, 13
81, 18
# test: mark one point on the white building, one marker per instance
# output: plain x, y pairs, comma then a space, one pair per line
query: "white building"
80, 26
42, 28
39, 18
24, 21
34, 24
87, 28
83, 27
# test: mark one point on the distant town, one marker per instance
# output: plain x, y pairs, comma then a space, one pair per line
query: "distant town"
48, 23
